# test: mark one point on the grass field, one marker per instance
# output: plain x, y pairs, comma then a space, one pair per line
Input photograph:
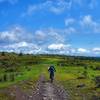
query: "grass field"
68, 74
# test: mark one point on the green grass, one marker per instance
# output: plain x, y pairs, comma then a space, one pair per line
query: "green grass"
67, 76
25, 74
64, 75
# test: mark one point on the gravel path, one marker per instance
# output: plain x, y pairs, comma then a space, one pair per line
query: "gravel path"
49, 92
44, 91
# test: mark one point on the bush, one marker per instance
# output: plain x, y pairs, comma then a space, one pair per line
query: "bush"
97, 81
12, 77
1, 79
5, 77
85, 73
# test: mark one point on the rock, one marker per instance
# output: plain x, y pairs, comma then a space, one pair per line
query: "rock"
30, 96
98, 86
80, 85
12, 94
44, 98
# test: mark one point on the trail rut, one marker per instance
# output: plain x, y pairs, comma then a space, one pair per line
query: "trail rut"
44, 91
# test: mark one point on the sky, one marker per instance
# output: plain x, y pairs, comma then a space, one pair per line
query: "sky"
70, 27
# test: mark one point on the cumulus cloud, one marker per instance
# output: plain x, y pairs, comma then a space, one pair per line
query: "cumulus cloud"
56, 7
50, 35
21, 45
59, 6
70, 30
85, 24
18, 39
49, 40
96, 50
58, 46
88, 52
7, 36
69, 21
82, 50
88, 21
56, 35
86, 3
15, 34
24, 47
40, 35
90, 25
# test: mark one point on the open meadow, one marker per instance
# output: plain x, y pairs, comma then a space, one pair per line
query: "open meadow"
79, 76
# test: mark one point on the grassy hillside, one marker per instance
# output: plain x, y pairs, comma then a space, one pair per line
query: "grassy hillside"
80, 76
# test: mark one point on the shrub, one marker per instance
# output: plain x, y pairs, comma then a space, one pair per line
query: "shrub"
5, 77
97, 81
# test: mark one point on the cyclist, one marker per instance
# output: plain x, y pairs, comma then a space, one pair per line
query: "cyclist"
51, 69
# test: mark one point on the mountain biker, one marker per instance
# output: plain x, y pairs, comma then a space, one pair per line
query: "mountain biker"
51, 69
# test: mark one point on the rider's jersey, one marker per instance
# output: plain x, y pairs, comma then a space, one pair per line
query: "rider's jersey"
51, 70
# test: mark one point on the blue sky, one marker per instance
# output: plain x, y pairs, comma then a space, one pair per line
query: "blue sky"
70, 27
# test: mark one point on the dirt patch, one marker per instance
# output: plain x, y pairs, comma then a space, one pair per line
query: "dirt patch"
44, 91
49, 91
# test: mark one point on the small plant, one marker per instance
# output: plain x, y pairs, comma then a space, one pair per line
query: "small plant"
0, 79
5, 77
12, 77
85, 67
97, 81
85, 74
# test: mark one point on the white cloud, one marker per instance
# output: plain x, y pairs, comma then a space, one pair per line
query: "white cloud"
40, 35
49, 35
20, 44
54, 34
82, 50
85, 24
69, 21
31, 9
58, 46
61, 6
70, 30
72, 50
96, 50
90, 25
86, 3
53, 41
24, 47
15, 34
7, 35
56, 7
87, 20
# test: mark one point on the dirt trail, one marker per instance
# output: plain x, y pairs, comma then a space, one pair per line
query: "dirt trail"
49, 92
44, 91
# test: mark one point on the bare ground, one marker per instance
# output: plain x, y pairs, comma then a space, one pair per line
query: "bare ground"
44, 91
